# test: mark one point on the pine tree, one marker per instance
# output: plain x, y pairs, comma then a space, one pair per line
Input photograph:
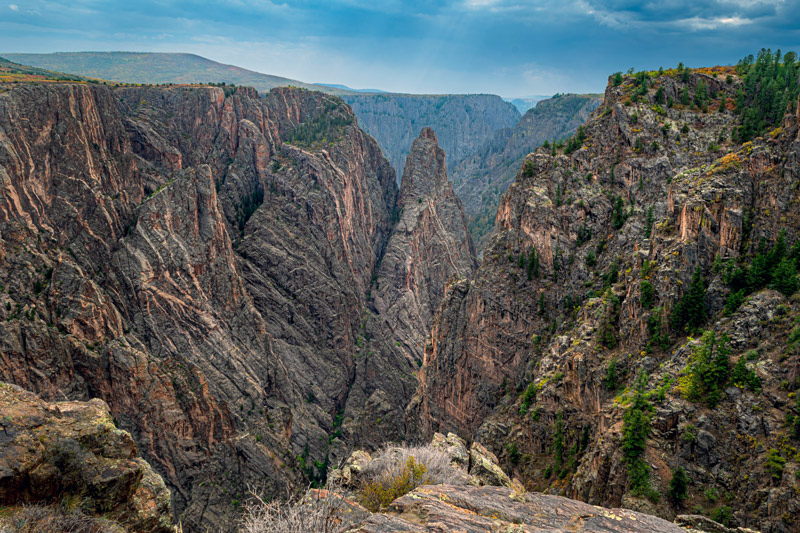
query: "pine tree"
678, 486
691, 313
784, 277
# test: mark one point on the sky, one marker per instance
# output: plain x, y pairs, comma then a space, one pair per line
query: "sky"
510, 48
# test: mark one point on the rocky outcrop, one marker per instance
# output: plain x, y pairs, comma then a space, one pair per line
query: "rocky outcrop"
463, 122
481, 178
200, 258
51, 452
520, 354
479, 504
478, 509
430, 245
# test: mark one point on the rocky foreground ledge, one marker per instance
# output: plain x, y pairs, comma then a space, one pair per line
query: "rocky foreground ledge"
487, 501
65, 463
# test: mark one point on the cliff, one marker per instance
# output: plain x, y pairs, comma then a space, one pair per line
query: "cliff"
463, 122
595, 248
429, 246
481, 178
201, 260
66, 462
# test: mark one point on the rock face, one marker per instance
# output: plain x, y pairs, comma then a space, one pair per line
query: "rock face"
430, 245
443, 508
50, 452
200, 258
482, 177
519, 355
463, 122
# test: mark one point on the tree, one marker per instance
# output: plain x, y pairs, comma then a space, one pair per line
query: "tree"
678, 486
635, 431
618, 216
533, 264
611, 379
690, 312
647, 293
784, 277
710, 369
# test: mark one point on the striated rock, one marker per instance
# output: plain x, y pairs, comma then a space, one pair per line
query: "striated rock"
50, 452
429, 246
201, 258
479, 509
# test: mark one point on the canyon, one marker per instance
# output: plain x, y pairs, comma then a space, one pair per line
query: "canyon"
240, 280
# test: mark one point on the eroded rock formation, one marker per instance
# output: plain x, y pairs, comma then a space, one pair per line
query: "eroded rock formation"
520, 354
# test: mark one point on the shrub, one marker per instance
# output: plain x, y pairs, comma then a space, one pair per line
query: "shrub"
319, 514
513, 453
774, 464
722, 515
397, 470
41, 518
744, 377
379, 493
734, 301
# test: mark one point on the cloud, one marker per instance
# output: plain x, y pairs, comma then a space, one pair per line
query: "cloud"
13, 7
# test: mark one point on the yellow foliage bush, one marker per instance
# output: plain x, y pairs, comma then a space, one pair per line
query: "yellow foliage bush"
377, 494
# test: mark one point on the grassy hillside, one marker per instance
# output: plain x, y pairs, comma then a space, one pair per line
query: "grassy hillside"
13, 72
135, 67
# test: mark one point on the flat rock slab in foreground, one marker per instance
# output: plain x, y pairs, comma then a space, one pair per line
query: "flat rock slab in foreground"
464, 509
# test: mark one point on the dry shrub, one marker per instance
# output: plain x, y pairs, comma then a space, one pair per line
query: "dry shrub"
42, 518
295, 516
438, 467
398, 470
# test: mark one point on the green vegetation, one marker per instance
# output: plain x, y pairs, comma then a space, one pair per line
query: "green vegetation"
378, 494
647, 293
722, 514
513, 453
658, 337
618, 216
793, 419
710, 369
575, 142
690, 312
248, 206
635, 431
744, 377
324, 128
611, 378
528, 397
533, 264
678, 486
774, 464
770, 85
771, 267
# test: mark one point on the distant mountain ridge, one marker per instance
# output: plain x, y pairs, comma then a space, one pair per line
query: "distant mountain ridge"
155, 68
